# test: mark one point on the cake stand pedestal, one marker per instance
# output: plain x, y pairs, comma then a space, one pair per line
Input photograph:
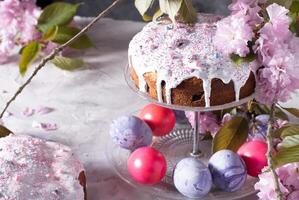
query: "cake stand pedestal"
182, 142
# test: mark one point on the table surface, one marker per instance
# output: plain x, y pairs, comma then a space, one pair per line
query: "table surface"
85, 102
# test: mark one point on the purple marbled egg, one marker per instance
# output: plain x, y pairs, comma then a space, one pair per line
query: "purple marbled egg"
192, 178
228, 170
130, 132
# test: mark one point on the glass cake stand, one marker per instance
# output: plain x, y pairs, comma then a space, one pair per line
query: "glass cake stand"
182, 142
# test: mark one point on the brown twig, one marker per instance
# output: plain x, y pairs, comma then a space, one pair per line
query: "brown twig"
52, 55
269, 153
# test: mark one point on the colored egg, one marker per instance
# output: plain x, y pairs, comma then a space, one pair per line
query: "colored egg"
254, 155
263, 119
180, 116
147, 165
130, 132
259, 130
228, 170
160, 119
192, 178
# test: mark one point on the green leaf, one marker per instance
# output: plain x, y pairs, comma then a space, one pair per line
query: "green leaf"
286, 155
29, 54
68, 64
157, 14
147, 18
279, 113
238, 60
285, 3
50, 34
57, 14
294, 8
287, 130
143, 6
294, 11
187, 13
66, 33
4, 131
294, 26
290, 141
170, 7
260, 109
293, 111
232, 135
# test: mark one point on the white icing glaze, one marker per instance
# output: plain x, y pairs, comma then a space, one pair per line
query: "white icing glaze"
31, 168
179, 52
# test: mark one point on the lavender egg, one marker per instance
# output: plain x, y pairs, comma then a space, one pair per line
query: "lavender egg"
192, 178
259, 130
228, 170
130, 132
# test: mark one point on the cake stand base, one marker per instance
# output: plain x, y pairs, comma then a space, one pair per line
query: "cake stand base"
175, 146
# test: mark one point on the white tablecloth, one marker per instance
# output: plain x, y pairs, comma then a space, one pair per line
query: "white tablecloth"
85, 101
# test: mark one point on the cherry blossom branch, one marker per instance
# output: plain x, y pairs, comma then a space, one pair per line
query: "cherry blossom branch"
55, 52
269, 153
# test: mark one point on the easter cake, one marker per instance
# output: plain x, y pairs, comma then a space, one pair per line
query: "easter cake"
178, 64
31, 168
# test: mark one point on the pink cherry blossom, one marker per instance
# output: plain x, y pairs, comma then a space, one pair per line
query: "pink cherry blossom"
18, 21
275, 34
237, 31
289, 183
277, 48
294, 195
244, 5
278, 15
207, 122
249, 8
50, 46
226, 118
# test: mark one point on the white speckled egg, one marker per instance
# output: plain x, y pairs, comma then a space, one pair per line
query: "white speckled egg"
192, 178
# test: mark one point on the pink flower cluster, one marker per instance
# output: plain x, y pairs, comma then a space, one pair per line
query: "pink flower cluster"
238, 27
276, 46
208, 122
278, 49
289, 183
18, 21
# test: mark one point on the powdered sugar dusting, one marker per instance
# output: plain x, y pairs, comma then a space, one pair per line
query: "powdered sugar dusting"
32, 168
179, 52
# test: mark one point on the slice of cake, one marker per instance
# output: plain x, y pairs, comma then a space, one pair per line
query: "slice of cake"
178, 64
35, 169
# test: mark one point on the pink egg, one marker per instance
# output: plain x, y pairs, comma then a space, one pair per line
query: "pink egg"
160, 119
254, 155
147, 166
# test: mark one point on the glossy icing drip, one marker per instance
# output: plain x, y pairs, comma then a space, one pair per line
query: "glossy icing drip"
179, 52
32, 168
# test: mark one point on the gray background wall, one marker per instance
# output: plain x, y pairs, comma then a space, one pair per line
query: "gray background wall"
126, 9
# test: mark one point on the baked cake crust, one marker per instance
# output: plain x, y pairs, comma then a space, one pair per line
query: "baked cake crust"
83, 182
177, 64
190, 92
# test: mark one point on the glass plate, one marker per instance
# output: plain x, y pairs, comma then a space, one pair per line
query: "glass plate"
175, 146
